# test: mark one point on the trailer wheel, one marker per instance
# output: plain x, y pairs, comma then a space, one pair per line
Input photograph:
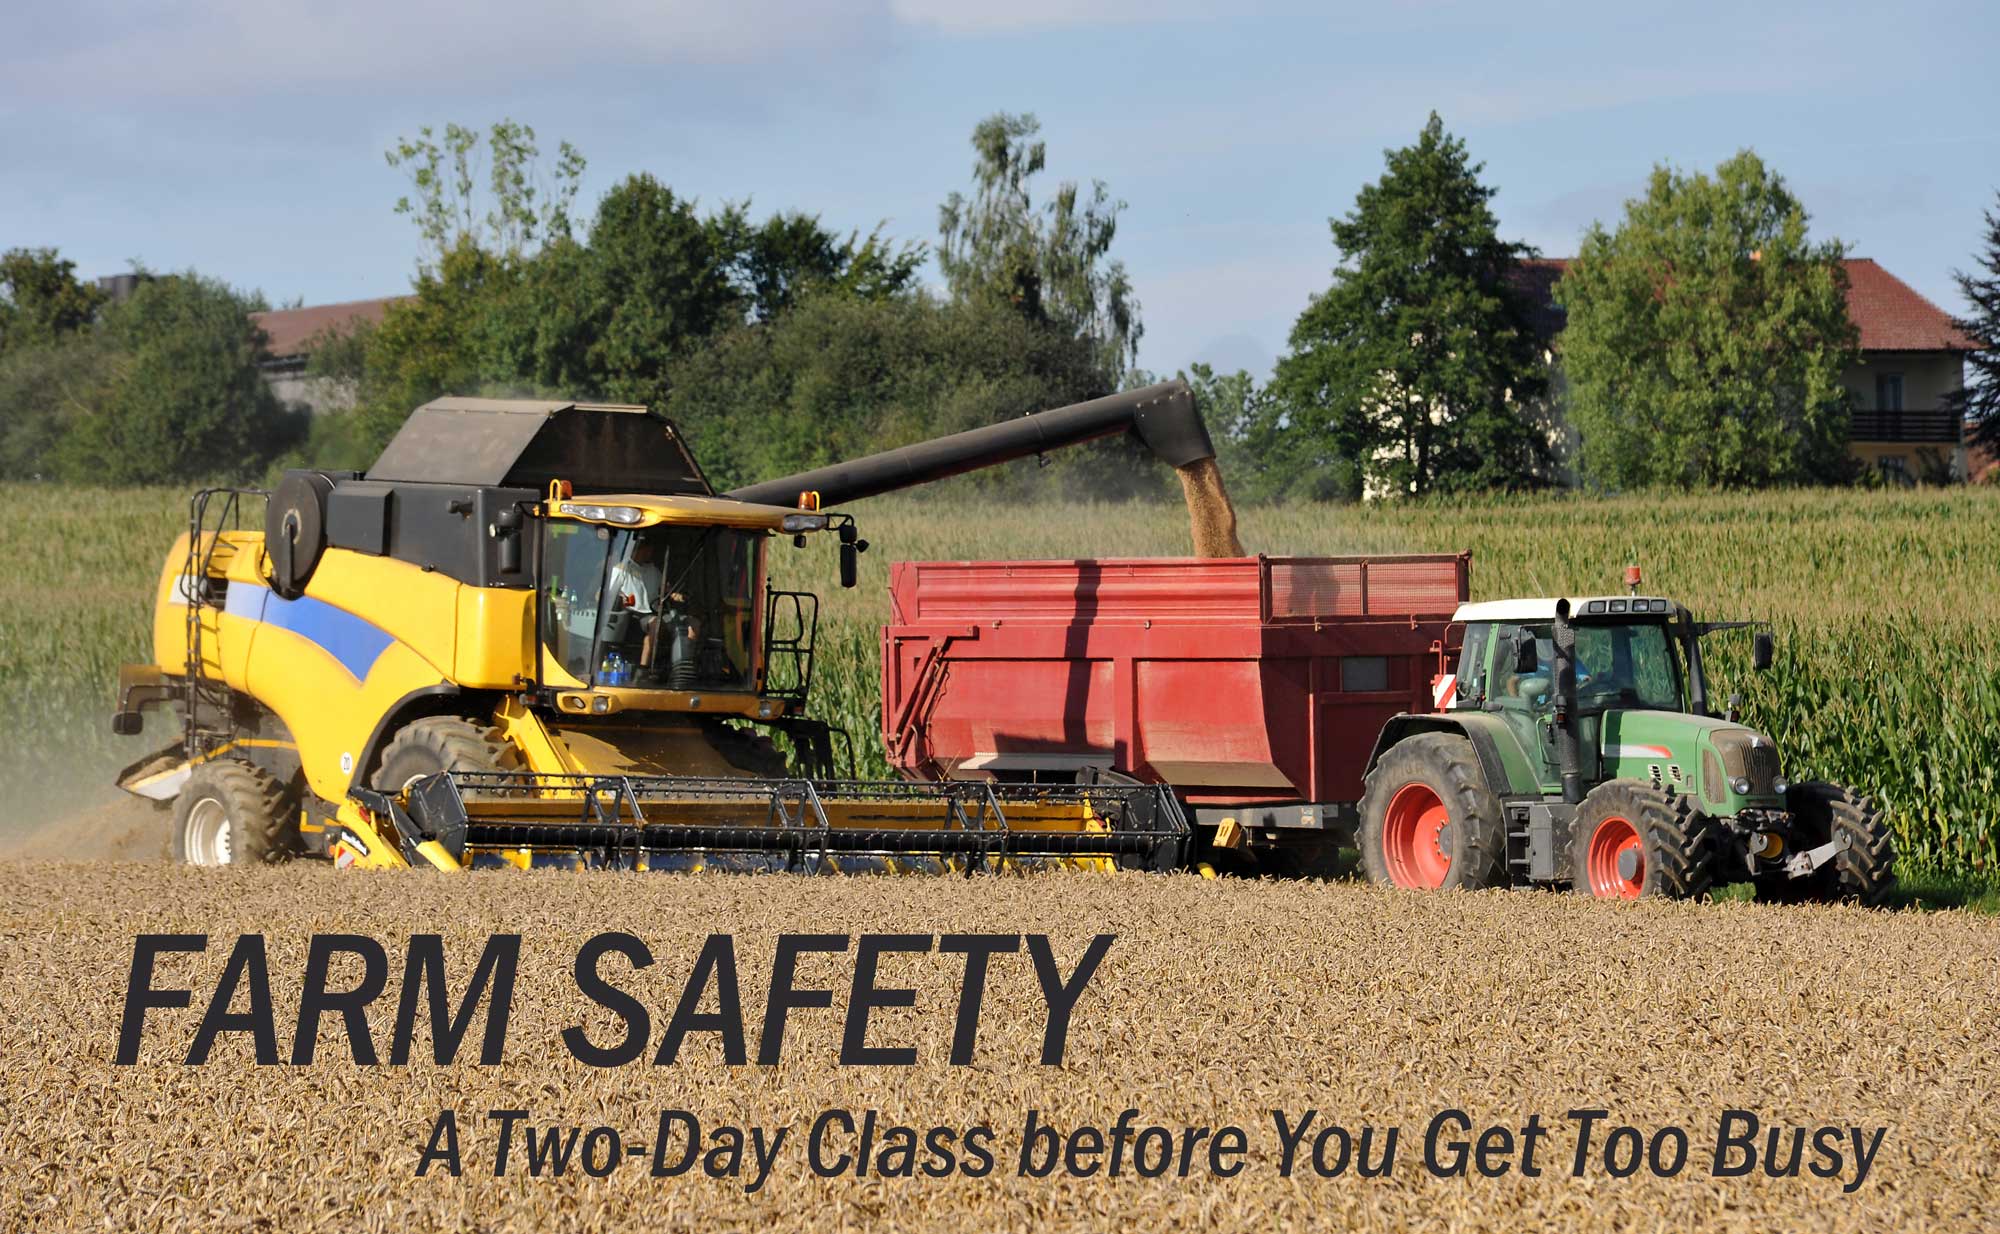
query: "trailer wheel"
441, 743
230, 813
1632, 840
1862, 869
1428, 819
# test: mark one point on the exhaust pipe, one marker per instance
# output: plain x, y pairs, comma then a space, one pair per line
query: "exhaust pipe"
1567, 759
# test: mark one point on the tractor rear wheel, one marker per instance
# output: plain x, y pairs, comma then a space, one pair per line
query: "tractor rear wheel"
441, 743
1862, 868
1632, 840
232, 814
1428, 819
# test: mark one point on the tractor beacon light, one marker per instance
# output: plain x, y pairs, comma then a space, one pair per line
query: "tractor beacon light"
1632, 579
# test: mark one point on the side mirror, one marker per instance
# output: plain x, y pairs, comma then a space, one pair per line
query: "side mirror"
850, 565
1762, 648
1525, 658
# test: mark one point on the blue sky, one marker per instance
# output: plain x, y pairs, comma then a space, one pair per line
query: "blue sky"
245, 139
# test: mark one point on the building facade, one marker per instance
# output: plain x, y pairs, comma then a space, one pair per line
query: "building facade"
295, 333
1912, 359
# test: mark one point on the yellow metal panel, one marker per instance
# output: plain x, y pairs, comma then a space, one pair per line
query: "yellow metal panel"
495, 637
416, 606
330, 714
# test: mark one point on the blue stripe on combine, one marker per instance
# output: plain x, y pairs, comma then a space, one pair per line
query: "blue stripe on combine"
355, 642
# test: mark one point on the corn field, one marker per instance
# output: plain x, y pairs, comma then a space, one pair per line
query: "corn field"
1888, 673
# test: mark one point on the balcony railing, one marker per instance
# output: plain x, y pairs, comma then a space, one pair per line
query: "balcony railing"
1929, 426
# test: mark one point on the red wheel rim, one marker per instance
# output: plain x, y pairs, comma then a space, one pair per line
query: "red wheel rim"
1606, 860
1413, 837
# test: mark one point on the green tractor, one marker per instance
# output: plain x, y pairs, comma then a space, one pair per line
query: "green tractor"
1576, 744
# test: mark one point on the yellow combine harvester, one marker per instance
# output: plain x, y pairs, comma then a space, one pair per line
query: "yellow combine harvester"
532, 632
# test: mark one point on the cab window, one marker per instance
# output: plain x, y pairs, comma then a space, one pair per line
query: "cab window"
1516, 686
1627, 665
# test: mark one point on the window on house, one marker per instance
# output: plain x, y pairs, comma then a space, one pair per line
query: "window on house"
1895, 469
1889, 392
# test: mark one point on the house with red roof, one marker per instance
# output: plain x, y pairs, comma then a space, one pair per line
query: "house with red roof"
293, 334
1912, 357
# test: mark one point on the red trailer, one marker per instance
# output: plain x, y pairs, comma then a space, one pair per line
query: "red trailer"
1255, 686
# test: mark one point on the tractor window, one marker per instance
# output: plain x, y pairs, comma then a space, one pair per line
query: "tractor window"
1626, 665
1521, 689
1472, 666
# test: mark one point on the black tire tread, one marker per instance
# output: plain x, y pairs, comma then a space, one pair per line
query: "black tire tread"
1679, 841
453, 743
1863, 868
255, 801
1448, 763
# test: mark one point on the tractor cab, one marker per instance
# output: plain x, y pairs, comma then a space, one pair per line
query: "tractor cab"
1639, 707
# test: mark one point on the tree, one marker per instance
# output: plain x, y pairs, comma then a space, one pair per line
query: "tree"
1265, 449
1707, 336
1051, 263
183, 397
43, 300
523, 205
777, 262
439, 340
1417, 362
840, 376
44, 389
1979, 401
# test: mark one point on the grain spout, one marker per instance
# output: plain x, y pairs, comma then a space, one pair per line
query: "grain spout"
1211, 519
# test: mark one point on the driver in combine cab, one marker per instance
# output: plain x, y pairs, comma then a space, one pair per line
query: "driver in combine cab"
636, 581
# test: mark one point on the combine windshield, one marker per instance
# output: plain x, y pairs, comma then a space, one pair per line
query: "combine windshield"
671, 608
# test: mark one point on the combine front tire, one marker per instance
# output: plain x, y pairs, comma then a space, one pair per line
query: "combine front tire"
1428, 819
1862, 866
1635, 840
231, 813
440, 743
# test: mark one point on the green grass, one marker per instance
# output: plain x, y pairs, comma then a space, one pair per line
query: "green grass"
1887, 608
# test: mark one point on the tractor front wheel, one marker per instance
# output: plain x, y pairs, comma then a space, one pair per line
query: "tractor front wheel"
232, 814
1633, 840
1862, 869
1428, 820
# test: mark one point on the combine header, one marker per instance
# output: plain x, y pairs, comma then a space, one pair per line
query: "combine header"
533, 633
682, 822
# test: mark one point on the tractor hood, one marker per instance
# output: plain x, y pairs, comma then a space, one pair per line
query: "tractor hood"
1708, 757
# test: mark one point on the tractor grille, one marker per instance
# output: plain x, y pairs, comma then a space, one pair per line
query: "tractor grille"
1748, 756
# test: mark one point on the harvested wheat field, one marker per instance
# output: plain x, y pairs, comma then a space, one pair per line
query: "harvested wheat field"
1218, 1003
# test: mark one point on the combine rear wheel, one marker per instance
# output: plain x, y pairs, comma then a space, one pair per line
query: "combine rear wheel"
441, 743
1428, 819
231, 813
1635, 840
1862, 867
